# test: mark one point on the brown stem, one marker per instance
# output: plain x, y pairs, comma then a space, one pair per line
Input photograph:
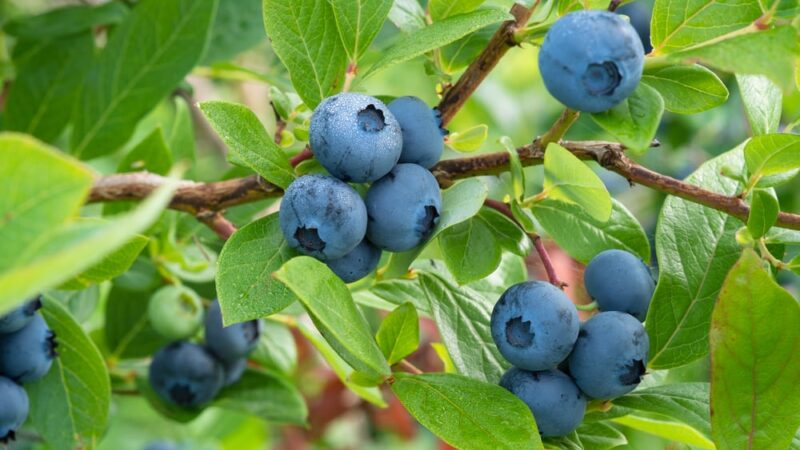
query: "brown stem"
559, 128
503, 39
549, 268
305, 154
614, 4
410, 368
193, 197
217, 222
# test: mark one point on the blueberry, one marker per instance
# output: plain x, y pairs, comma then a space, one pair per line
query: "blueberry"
27, 355
619, 281
591, 60
403, 208
610, 356
16, 319
355, 137
557, 404
175, 312
186, 374
640, 13
357, 264
233, 342
234, 370
534, 325
322, 216
13, 409
423, 140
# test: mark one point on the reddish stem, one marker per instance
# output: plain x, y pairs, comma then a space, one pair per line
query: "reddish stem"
302, 156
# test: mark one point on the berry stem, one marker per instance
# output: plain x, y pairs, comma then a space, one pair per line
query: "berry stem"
305, 154
549, 268
559, 128
410, 368
217, 222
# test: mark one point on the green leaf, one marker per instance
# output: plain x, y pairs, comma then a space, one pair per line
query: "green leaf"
468, 413
330, 305
772, 52
463, 318
772, 154
681, 402
129, 80
696, 247
112, 266
70, 405
634, 122
340, 367
470, 250
245, 288
762, 102
754, 371
666, 429
247, 139
128, 333
305, 37
508, 235
276, 350
238, 26
515, 169
48, 84
442, 9
69, 250
61, 22
435, 36
687, 89
764, 209
29, 206
359, 21
599, 436
678, 24
566, 6
398, 335
569, 179
468, 140
151, 154
583, 237
407, 15
267, 396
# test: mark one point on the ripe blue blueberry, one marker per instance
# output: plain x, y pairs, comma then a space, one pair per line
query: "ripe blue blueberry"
322, 216
186, 374
234, 370
423, 137
403, 208
233, 342
13, 409
619, 281
639, 14
357, 264
610, 356
16, 319
27, 355
591, 60
557, 404
355, 137
534, 325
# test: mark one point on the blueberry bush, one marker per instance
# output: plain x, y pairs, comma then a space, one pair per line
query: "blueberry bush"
396, 224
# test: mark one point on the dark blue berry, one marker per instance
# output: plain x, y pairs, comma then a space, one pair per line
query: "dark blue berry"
231, 343
186, 375
18, 318
13, 409
619, 281
27, 355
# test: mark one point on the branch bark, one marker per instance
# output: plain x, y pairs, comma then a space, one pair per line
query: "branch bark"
195, 197
502, 40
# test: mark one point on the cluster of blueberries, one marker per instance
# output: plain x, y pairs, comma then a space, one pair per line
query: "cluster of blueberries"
359, 139
27, 350
190, 375
591, 60
559, 362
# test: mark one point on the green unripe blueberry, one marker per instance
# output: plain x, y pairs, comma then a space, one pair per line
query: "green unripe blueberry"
175, 312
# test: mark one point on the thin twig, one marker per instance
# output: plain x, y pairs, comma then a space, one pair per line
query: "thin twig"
408, 367
547, 263
560, 127
217, 222
503, 39
305, 154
